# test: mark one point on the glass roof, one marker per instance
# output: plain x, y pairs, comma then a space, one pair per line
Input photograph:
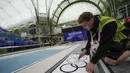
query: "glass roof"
73, 12
16, 12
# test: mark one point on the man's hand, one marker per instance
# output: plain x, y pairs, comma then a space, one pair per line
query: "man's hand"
82, 53
89, 67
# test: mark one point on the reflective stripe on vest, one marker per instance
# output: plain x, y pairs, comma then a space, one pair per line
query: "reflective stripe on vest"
119, 35
104, 20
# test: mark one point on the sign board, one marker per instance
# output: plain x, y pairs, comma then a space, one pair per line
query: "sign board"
78, 35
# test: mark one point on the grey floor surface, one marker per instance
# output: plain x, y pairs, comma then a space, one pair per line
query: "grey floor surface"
124, 67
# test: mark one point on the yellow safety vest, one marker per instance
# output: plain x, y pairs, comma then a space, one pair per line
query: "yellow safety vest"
120, 26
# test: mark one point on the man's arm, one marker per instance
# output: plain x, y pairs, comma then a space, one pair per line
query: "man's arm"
88, 45
106, 39
87, 48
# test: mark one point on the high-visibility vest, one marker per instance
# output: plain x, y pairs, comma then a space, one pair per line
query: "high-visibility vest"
120, 26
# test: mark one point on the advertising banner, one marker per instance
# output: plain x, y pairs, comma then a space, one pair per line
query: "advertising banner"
77, 35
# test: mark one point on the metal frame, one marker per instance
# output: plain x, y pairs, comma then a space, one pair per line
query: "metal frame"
71, 3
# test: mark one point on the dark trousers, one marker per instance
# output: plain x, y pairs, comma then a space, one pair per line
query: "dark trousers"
117, 49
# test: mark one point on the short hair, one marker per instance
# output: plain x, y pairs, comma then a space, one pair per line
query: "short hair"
85, 16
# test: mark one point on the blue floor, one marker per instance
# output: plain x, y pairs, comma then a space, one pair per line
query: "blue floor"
12, 64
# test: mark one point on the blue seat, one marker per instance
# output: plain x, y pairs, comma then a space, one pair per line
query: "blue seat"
9, 39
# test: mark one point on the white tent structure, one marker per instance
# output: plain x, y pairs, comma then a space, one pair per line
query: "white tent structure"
16, 12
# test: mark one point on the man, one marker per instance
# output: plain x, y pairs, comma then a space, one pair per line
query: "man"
113, 40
